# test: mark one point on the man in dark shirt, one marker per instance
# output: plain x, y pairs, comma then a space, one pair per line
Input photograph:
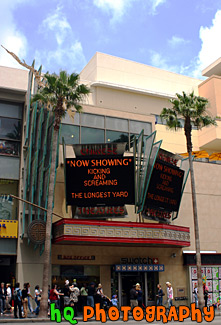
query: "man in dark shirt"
91, 293
133, 297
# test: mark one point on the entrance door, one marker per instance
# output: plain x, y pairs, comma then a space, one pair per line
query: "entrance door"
128, 279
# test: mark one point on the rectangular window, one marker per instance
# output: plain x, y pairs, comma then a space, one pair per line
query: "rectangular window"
8, 206
13, 110
92, 120
10, 128
9, 148
113, 136
117, 124
90, 135
70, 133
137, 126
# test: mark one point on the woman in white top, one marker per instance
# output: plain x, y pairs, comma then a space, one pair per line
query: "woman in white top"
169, 294
8, 297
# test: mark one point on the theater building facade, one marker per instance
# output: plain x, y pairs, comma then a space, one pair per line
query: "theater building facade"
115, 245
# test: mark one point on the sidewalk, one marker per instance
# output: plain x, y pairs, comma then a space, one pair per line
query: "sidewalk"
9, 318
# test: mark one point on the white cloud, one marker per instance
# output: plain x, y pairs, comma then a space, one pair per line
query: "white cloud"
211, 45
116, 8
162, 62
66, 52
58, 24
11, 37
157, 60
176, 41
155, 4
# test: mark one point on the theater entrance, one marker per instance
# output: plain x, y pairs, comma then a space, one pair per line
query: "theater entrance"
148, 282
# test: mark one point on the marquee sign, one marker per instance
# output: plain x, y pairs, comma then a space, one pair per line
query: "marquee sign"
165, 186
103, 181
101, 211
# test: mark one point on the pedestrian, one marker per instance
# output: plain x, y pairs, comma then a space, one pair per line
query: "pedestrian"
54, 295
2, 298
99, 294
91, 293
169, 294
195, 292
84, 295
29, 297
66, 293
8, 297
74, 293
114, 301
139, 295
133, 297
37, 299
17, 296
206, 293
160, 295
25, 300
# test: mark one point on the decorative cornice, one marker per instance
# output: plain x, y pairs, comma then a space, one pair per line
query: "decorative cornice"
120, 232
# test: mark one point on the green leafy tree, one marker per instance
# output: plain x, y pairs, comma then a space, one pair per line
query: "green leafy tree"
59, 94
193, 110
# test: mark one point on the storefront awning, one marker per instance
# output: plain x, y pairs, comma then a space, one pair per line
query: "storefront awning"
139, 267
70, 231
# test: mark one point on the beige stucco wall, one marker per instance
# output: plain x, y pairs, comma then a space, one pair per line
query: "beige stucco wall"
208, 190
210, 89
11, 78
106, 68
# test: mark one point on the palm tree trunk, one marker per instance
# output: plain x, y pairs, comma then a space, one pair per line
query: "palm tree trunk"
195, 216
47, 250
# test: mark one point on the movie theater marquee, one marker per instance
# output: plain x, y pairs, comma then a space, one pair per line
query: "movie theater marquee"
103, 181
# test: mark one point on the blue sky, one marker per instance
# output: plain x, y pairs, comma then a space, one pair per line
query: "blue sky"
182, 36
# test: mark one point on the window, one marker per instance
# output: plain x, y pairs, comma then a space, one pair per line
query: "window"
10, 128
137, 126
91, 135
9, 148
117, 124
95, 128
70, 133
96, 121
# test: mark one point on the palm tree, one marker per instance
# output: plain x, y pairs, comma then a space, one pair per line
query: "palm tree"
191, 109
60, 93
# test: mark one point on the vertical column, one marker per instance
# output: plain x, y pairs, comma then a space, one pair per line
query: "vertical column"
119, 289
146, 289
105, 279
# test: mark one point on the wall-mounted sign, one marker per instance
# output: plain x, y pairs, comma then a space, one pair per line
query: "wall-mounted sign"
36, 232
164, 191
103, 212
100, 149
104, 181
139, 260
76, 257
8, 229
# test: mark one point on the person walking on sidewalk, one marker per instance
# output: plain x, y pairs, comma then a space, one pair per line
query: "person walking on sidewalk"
2, 298
29, 298
169, 294
25, 300
37, 299
17, 296
8, 297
